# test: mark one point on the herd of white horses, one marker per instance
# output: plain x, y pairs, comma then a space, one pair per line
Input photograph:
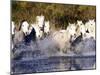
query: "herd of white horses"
40, 30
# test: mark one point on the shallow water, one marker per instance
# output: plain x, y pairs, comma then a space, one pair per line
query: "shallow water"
49, 64
44, 57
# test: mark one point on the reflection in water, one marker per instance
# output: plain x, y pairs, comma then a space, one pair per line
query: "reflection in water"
32, 58
49, 64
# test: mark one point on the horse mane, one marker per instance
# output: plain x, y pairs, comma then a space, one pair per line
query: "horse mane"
21, 24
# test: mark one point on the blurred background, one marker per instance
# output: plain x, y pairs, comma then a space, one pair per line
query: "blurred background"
59, 15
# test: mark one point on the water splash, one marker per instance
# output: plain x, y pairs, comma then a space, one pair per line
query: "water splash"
45, 56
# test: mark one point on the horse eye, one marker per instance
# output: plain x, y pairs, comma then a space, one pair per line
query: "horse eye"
23, 25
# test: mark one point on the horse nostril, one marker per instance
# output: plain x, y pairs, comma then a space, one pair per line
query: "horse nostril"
87, 31
26, 33
74, 35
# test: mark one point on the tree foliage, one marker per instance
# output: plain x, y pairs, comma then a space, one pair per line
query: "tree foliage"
57, 14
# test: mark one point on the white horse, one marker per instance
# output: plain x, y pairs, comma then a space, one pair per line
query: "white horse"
13, 28
71, 29
90, 26
24, 27
46, 27
80, 28
40, 21
39, 33
21, 33
81, 33
62, 38
12, 32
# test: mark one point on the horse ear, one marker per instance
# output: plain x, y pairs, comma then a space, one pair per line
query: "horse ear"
20, 24
90, 20
77, 21
74, 23
48, 21
69, 23
93, 20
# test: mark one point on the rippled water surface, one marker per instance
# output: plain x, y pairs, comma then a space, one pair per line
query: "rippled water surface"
33, 59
